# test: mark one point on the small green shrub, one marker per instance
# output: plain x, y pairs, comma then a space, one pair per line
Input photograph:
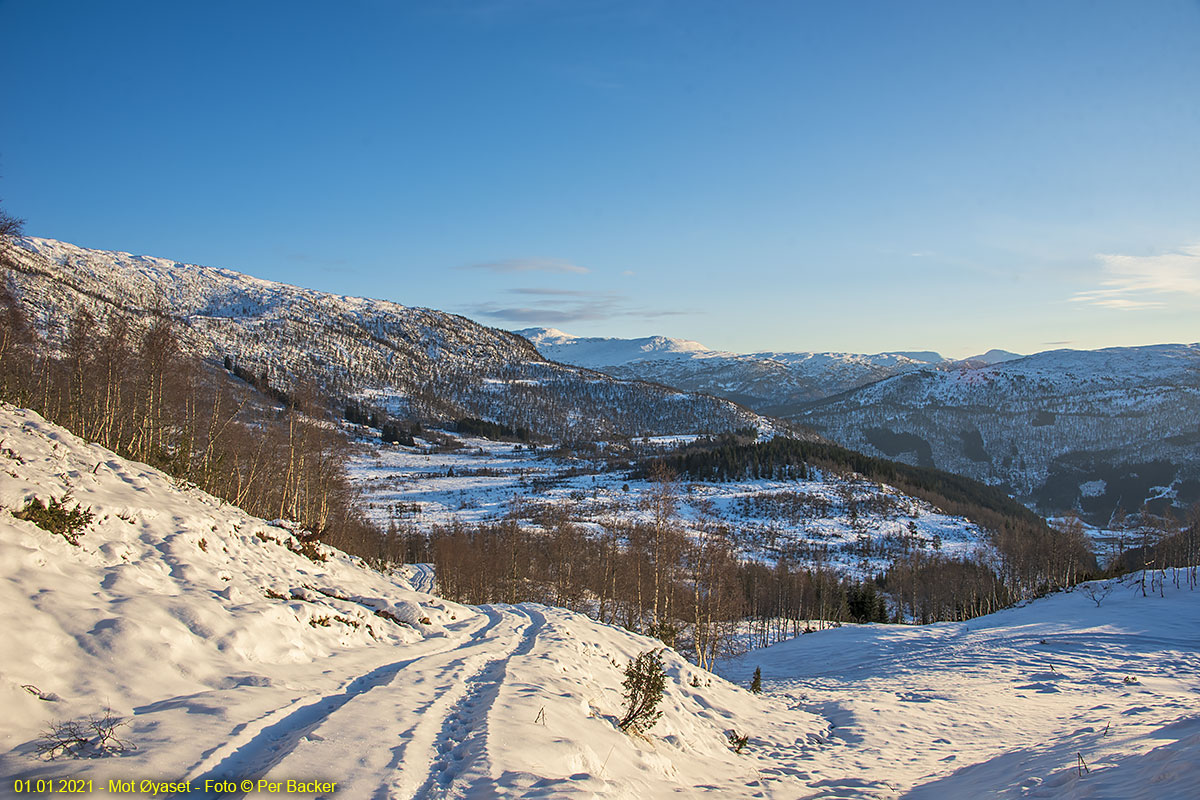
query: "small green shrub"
645, 680
666, 632
57, 518
756, 682
737, 741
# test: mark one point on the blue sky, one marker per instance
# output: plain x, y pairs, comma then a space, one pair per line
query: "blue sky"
860, 176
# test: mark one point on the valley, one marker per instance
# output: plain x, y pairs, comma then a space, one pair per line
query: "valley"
1088, 432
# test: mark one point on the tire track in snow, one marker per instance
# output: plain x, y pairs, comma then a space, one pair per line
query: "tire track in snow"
452, 740
259, 745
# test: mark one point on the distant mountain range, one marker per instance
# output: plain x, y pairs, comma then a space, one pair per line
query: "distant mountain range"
1090, 431
1083, 430
770, 382
1064, 430
408, 361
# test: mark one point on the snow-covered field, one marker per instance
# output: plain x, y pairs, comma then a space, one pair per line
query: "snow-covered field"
233, 657
810, 521
1061, 698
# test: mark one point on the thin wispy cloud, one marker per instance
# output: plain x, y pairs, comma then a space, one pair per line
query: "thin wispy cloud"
546, 316
564, 306
511, 265
1135, 283
554, 292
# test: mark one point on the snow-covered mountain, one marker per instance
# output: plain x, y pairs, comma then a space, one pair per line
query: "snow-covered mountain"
993, 356
767, 381
1089, 430
223, 654
409, 360
1064, 429
598, 353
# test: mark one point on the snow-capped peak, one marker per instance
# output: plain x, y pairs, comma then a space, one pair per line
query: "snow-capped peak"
597, 352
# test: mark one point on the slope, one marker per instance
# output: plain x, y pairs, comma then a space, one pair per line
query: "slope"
409, 361
1090, 430
232, 656
1090, 693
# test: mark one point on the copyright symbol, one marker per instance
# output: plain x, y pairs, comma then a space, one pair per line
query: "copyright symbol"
247, 785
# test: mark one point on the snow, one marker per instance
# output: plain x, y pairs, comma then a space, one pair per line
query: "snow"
993, 356
219, 680
478, 482
1044, 420
767, 378
162, 613
1006, 705
597, 352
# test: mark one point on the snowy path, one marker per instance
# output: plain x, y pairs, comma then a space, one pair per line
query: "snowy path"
449, 737
435, 703
420, 577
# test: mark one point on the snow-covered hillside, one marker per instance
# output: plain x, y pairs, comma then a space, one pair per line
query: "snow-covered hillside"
807, 522
406, 360
233, 657
767, 381
1085, 694
1090, 430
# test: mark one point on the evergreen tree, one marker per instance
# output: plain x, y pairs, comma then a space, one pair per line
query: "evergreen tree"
644, 682
756, 682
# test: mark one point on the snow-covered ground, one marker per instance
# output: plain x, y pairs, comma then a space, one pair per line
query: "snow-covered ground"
810, 521
1061, 698
233, 657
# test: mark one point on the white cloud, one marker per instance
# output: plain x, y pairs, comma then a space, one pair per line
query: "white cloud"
555, 292
557, 306
1135, 283
530, 265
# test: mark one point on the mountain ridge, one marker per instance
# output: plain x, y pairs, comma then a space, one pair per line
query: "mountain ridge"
1065, 430
764, 380
410, 361
1083, 430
